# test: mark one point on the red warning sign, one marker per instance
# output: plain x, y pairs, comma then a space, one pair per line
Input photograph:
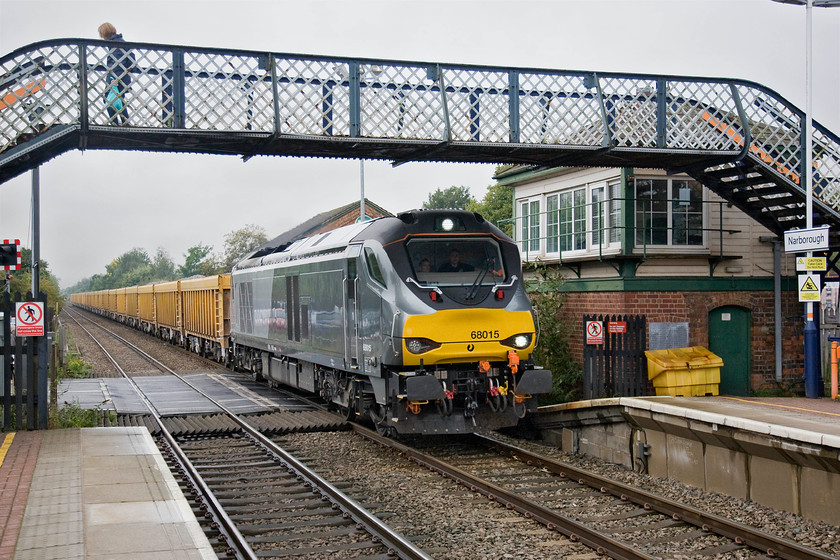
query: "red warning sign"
30, 318
594, 332
618, 327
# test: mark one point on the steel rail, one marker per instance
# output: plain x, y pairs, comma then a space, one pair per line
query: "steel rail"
235, 540
741, 534
577, 532
390, 538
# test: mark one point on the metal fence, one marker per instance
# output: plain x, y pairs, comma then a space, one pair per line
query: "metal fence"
25, 361
617, 366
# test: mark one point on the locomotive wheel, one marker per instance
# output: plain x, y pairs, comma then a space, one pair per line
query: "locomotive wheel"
379, 415
350, 410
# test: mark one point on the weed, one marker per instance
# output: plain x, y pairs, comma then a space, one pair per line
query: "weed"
552, 350
74, 368
71, 415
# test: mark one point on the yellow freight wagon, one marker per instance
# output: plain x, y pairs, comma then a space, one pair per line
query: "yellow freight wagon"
111, 302
121, 303
205, 312
131, 309
146, 306
168, 311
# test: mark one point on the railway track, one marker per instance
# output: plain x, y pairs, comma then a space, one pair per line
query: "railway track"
260, 500
609, 518
612, 518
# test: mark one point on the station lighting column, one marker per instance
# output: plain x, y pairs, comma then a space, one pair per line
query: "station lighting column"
813, 379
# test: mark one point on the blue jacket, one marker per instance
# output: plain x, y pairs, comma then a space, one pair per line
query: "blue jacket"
120, 61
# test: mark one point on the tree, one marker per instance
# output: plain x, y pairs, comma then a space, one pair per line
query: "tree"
240, 242
21, 281
496, 207
163, 268
127, 268
193, 260
452, 197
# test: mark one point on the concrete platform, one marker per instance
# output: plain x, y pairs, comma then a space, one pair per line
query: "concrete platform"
779, 452
96, 493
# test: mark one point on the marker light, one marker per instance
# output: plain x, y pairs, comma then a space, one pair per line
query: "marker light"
420, 345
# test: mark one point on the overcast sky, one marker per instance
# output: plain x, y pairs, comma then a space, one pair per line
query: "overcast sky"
97, 205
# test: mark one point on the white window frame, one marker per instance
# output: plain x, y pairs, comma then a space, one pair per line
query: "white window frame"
581, 230
529, 246
671, 206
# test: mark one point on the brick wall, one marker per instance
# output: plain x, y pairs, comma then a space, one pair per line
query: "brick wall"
694, 308
350, 218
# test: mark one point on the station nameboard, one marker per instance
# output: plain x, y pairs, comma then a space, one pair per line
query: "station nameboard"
804, 240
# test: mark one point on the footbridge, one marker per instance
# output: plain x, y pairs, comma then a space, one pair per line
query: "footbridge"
742, 140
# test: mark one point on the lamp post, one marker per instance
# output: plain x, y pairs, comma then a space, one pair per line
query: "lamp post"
811, 336
362, 188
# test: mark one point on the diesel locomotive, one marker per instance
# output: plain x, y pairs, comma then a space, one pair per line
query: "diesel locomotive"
419, 322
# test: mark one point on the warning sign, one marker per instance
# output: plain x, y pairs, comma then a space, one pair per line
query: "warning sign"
618, 327
809, 287
30, 318
594, 332
810, 263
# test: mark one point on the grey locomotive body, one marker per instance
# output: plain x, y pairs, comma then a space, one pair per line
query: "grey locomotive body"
356, 315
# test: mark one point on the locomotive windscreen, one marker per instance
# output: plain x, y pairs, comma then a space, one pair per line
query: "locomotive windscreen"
456, 262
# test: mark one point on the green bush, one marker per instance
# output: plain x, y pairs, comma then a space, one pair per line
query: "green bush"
552, 352
71, 415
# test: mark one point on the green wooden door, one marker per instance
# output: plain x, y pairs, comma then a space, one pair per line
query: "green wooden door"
729, 338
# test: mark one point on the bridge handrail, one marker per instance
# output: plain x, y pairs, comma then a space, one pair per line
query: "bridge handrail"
185, 89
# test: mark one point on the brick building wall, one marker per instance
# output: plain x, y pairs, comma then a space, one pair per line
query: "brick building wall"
350, 218
694, 308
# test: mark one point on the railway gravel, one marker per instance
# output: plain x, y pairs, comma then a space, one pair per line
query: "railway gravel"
176, 358
443, 518
467, 526
818, 536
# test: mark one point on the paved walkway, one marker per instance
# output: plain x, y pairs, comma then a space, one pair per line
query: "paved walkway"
95, 493
18, 454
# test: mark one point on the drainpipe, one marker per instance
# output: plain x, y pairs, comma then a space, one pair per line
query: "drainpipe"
777, 299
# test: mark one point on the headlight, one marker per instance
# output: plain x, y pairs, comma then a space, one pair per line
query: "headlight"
420, 345
518, 341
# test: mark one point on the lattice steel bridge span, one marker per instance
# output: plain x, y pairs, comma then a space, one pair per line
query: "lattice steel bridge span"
742, 140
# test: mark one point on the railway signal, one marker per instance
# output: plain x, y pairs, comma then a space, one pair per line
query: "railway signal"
10, 254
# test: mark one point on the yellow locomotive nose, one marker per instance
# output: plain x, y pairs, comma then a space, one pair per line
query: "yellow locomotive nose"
467, 335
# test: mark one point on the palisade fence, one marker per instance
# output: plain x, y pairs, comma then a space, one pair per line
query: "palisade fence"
25, 363
617, 367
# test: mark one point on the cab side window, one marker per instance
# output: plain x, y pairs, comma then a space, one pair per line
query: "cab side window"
373, 267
